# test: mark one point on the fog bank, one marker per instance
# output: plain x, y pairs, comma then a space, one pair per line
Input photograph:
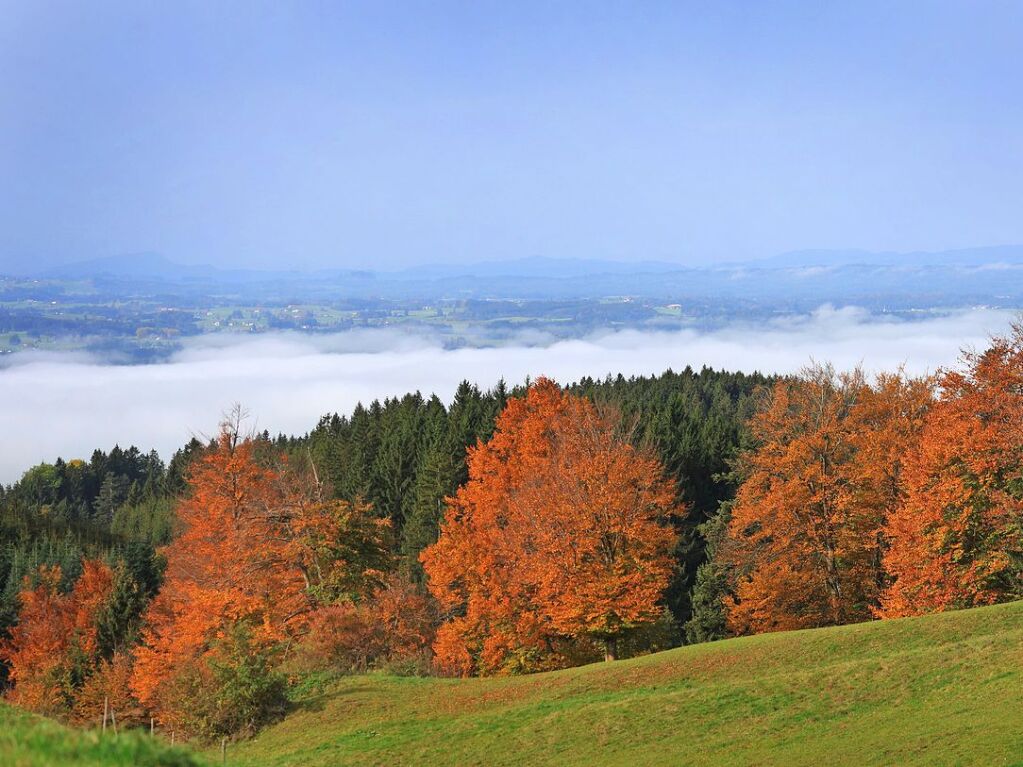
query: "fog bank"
67, 405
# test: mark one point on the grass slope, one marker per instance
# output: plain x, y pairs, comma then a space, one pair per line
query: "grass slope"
27, 740
944, 689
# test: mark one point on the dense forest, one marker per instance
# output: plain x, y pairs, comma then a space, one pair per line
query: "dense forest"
512, 530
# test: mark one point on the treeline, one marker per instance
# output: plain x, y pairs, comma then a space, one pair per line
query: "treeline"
406, 455
117, 507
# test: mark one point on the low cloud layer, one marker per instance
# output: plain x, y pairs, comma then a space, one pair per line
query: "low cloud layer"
56, 405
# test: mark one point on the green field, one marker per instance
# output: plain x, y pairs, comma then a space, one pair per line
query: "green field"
946, 689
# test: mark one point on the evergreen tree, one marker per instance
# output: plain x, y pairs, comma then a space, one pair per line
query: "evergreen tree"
707, 622
137, 578
112, 494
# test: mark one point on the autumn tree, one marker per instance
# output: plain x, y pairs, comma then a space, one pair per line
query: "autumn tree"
36, 648
259, 548
408, 618
805, 535
957, 541
558, 536
55, 647
232, 564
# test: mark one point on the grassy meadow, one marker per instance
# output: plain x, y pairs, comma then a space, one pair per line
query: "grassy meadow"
944, 689
940, 690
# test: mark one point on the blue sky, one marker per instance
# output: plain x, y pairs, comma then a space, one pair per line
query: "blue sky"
390, 134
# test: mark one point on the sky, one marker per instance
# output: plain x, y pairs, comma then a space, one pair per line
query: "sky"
378, 134
67, 405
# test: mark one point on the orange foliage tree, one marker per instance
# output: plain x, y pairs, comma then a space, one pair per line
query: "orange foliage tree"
53, 648
258, 549
232, 563
559, 534
957, 541
805, 537
407, 617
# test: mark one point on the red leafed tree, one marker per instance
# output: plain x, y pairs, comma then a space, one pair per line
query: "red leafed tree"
957, 541
234, 562
53, 649
558, 535
805, 537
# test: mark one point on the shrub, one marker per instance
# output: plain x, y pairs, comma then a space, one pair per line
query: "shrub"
342, 638
108, 686
234, 690
393, 631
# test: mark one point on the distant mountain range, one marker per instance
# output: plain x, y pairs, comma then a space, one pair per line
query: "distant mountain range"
154, 266
998, 254
132, 265
157, 266
968, 277
537, 266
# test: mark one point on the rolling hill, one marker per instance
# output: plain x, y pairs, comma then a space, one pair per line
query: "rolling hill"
939, 690
943, 689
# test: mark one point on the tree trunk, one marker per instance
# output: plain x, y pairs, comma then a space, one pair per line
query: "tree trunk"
610, 649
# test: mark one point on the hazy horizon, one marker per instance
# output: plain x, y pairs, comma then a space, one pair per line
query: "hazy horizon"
387, 135
979, 253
